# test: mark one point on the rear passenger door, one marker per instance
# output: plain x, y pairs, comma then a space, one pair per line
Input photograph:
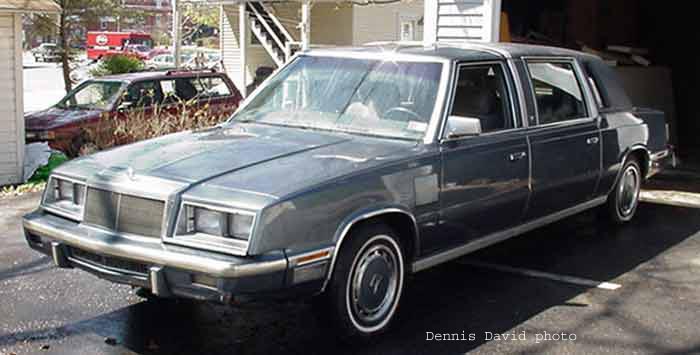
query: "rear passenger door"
564, 137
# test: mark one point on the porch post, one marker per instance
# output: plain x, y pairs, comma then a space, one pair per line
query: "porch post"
430, 18
243, 46
177, 32
492, 25
305, 24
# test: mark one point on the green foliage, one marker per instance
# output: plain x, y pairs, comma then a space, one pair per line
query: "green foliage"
118, 64
37, 182
42, 174
195, 16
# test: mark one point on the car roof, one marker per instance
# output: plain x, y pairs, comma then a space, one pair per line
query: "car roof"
461, 51
162, 74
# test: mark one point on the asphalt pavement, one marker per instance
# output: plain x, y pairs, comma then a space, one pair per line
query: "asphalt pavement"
499, 306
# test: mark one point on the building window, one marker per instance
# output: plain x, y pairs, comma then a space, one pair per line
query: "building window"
408, 32
410, 28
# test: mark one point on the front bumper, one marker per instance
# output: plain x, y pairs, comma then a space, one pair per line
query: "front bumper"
164, 269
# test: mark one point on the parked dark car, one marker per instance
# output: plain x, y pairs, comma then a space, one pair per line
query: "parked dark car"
350, 169
64, 124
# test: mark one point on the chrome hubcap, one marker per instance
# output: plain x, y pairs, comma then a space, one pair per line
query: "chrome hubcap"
628, 193
374, 284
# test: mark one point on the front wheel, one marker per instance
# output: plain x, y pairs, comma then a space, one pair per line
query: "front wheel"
624, 199
367, 283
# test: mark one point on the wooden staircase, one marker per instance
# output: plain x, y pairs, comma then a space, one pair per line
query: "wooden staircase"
273, 36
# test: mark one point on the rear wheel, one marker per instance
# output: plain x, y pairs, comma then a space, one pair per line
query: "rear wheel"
624, 199
364, 292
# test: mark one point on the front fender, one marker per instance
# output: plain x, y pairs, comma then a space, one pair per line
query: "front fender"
317, 218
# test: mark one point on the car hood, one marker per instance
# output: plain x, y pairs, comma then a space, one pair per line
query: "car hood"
55, 117
274, 161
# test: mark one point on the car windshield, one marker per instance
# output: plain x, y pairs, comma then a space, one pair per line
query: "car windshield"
374, 97
99, 95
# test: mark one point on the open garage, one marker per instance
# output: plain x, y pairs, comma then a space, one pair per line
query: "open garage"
652, 47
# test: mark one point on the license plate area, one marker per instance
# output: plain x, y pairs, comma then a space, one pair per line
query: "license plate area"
119, 265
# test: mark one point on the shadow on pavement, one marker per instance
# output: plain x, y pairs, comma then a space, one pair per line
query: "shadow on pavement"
447, 299
35, 266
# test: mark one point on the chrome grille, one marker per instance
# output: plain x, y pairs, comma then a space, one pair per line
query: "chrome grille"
124, 213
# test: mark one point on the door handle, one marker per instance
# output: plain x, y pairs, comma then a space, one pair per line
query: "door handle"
592, 140
517, 156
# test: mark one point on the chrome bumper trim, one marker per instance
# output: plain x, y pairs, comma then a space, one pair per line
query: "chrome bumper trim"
103, 242
660, 160
660, 155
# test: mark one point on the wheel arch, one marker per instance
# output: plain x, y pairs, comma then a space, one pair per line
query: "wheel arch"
401, 220
641, 154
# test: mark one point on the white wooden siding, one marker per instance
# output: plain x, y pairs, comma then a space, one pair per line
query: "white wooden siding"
463, 20
381, 22
230, 49
11, 114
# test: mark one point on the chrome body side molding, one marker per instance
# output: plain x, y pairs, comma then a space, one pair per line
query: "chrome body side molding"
445, 256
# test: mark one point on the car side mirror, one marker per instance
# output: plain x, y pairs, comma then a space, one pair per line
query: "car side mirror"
458, 126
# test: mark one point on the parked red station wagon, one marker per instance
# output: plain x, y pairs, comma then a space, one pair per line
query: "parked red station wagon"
110, 97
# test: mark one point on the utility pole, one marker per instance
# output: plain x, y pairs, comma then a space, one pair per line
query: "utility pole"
177, 32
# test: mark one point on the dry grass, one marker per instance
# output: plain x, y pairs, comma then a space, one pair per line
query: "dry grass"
19, 190
137, 124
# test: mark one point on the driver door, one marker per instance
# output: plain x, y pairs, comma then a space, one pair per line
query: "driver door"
485, 177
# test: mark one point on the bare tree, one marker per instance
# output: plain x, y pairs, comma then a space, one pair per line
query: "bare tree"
75, 15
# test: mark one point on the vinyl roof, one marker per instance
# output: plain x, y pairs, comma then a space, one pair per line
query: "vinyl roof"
29, 6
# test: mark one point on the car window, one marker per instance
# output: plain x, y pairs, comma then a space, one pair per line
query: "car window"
365, 96
178, 90
142, 94
211, 86
557, 91
99, 95
482, 93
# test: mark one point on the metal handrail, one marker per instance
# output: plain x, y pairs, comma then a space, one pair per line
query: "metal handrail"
279, 24
268, 28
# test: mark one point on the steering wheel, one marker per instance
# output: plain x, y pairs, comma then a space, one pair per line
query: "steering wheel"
399, 109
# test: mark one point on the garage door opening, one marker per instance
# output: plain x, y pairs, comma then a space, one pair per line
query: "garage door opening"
650, 45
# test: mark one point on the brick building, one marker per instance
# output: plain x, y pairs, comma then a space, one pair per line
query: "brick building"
156, 17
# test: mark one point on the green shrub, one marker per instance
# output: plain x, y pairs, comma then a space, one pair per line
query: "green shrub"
42, 174
118, 64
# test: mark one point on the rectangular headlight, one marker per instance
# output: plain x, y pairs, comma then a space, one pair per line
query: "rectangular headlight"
65, 196
201, 220
240, 226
